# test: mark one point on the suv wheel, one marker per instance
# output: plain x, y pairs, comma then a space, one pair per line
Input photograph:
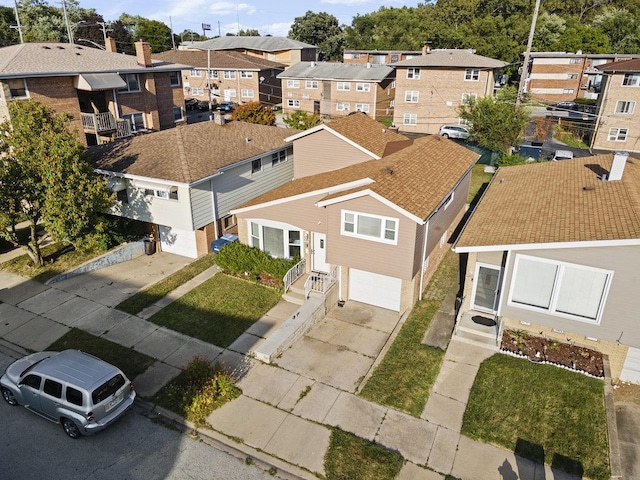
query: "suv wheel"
8, 397
70, 428
445, 135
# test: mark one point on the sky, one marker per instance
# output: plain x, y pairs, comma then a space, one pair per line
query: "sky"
269, 17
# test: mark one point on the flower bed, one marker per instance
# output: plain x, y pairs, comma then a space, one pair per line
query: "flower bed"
540, 349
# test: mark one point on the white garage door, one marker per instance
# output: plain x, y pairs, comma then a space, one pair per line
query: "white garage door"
375, 289
180, 242
631, 369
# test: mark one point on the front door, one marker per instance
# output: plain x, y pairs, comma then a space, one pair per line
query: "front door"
316, 107
319, 253
486, 288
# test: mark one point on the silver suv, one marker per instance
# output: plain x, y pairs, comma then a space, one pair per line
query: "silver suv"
454, 131
77, 390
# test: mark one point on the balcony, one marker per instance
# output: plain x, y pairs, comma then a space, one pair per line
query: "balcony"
106, 126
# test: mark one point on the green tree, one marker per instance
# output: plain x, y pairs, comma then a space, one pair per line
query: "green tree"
8, 35
249, 32
156, 33
45, 179
322, 30
301, 120
622, 29
550, 29
496, 123
254, 112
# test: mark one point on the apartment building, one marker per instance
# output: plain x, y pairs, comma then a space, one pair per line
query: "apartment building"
108, 95
277, 49
227, 76
378, 57
431, 87
338, 89
617, 125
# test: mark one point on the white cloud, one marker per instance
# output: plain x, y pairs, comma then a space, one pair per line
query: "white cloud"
276, 29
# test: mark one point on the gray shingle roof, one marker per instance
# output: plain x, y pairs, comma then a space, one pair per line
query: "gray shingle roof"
337, 71
56, 59
266, 44
452, 58
217, 59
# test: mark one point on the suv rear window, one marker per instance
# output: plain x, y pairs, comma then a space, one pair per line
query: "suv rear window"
107, 389
74, 396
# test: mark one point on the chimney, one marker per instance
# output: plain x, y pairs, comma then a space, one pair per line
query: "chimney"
143, 53
368, 64
617, 167
218, 119
425, 49
110, 45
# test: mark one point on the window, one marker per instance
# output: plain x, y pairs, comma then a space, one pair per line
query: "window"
293, 103
559, 288
173, 193
229, 74
246, 74
294, 243
363, 87
472, 74
136, 120
74, 396
178, 114
246, 93
410, 119
273, 241
195, 73
53, 388
255, 235
370, 227
293, 83
567, 90
197, 91
362, 107
256, 165
107, 389
468, 98
121, 196
132, 81
17, 88
276, 239
32, 381
228, 221
311, 84
631, 80
174, 79
212, 74
618, 134
229, 92
413, 73
344, 86
411, 96
278, 157
447, 201
575, 61
625, 107
572, 76
341, 107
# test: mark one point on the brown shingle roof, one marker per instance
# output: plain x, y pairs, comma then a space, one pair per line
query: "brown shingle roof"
548, 203
416, 178
624, 66
188, 153
218, 59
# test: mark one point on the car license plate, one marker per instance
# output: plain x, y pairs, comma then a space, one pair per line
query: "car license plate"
113, 403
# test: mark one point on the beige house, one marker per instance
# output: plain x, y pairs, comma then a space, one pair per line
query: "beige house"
338, 89
618, 123
554, 249
431, 87
377, 226
108, 95
378, 57
276, 49
219, 76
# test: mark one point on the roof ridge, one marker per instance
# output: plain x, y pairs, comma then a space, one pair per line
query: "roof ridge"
184, 164
18, 49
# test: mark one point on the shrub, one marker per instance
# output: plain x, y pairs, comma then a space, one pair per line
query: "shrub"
508, 160
238, 258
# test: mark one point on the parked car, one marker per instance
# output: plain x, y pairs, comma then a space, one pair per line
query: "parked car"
216, 245
204, 106
77, 390
562, 155
227, 107
563, 106
454, 131
191, 103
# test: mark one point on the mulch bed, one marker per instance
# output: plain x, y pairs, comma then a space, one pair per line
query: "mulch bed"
263, 279
539, 349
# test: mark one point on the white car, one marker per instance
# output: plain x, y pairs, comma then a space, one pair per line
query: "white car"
454, 131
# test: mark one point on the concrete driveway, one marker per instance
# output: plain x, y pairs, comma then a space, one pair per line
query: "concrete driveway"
340, 350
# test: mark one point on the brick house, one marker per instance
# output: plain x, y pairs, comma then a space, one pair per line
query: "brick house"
227, 76
337, 89
277, 49
618, 122
430, 87
378, 57
108, 95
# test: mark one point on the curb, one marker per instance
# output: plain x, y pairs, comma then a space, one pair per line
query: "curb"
615, 465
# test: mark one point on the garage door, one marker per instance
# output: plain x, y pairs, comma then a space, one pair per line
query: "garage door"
375, 289
178, 241
631, 369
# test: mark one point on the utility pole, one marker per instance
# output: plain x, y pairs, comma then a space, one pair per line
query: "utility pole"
66, 21
173, 40
527, 54
219, 34
19, 27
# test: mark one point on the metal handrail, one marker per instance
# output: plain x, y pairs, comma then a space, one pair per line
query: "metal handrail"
293, 274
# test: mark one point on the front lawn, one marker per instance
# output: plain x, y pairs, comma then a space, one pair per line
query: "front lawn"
219, 310
479, 182
406, 374
541, 412
131, 362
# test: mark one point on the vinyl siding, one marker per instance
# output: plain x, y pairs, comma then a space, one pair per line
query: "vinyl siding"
174, 213
202, 204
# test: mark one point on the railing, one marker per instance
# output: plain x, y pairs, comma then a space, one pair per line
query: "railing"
320, 282
123, 128
293, 274
98, 122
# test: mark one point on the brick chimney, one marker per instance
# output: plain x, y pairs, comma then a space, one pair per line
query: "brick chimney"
111, 45
143, 53
617, 167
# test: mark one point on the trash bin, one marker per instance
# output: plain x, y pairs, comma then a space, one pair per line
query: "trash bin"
149, 246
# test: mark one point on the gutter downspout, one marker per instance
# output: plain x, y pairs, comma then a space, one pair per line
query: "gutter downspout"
424, 254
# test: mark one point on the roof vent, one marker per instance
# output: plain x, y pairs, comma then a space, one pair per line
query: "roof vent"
46, 48
248, 140
60, 47
389, 170
384, 130
617, 167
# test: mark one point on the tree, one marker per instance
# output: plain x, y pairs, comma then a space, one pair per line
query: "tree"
249, 32
254, 112
496, 123
190, 36
301, 120
44, 178
322, 30
156, 33
8, 35
622, 29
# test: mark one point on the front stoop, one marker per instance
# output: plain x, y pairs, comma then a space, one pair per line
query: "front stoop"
474, 333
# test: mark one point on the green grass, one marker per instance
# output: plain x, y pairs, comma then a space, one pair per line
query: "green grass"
219, 310
479, 182
568, 138
406, 374
540, 412
352, 458
132, 363
58, 257
147, 297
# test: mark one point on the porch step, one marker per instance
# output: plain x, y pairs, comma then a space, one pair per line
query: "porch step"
293, 296
478, 340
485, 332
